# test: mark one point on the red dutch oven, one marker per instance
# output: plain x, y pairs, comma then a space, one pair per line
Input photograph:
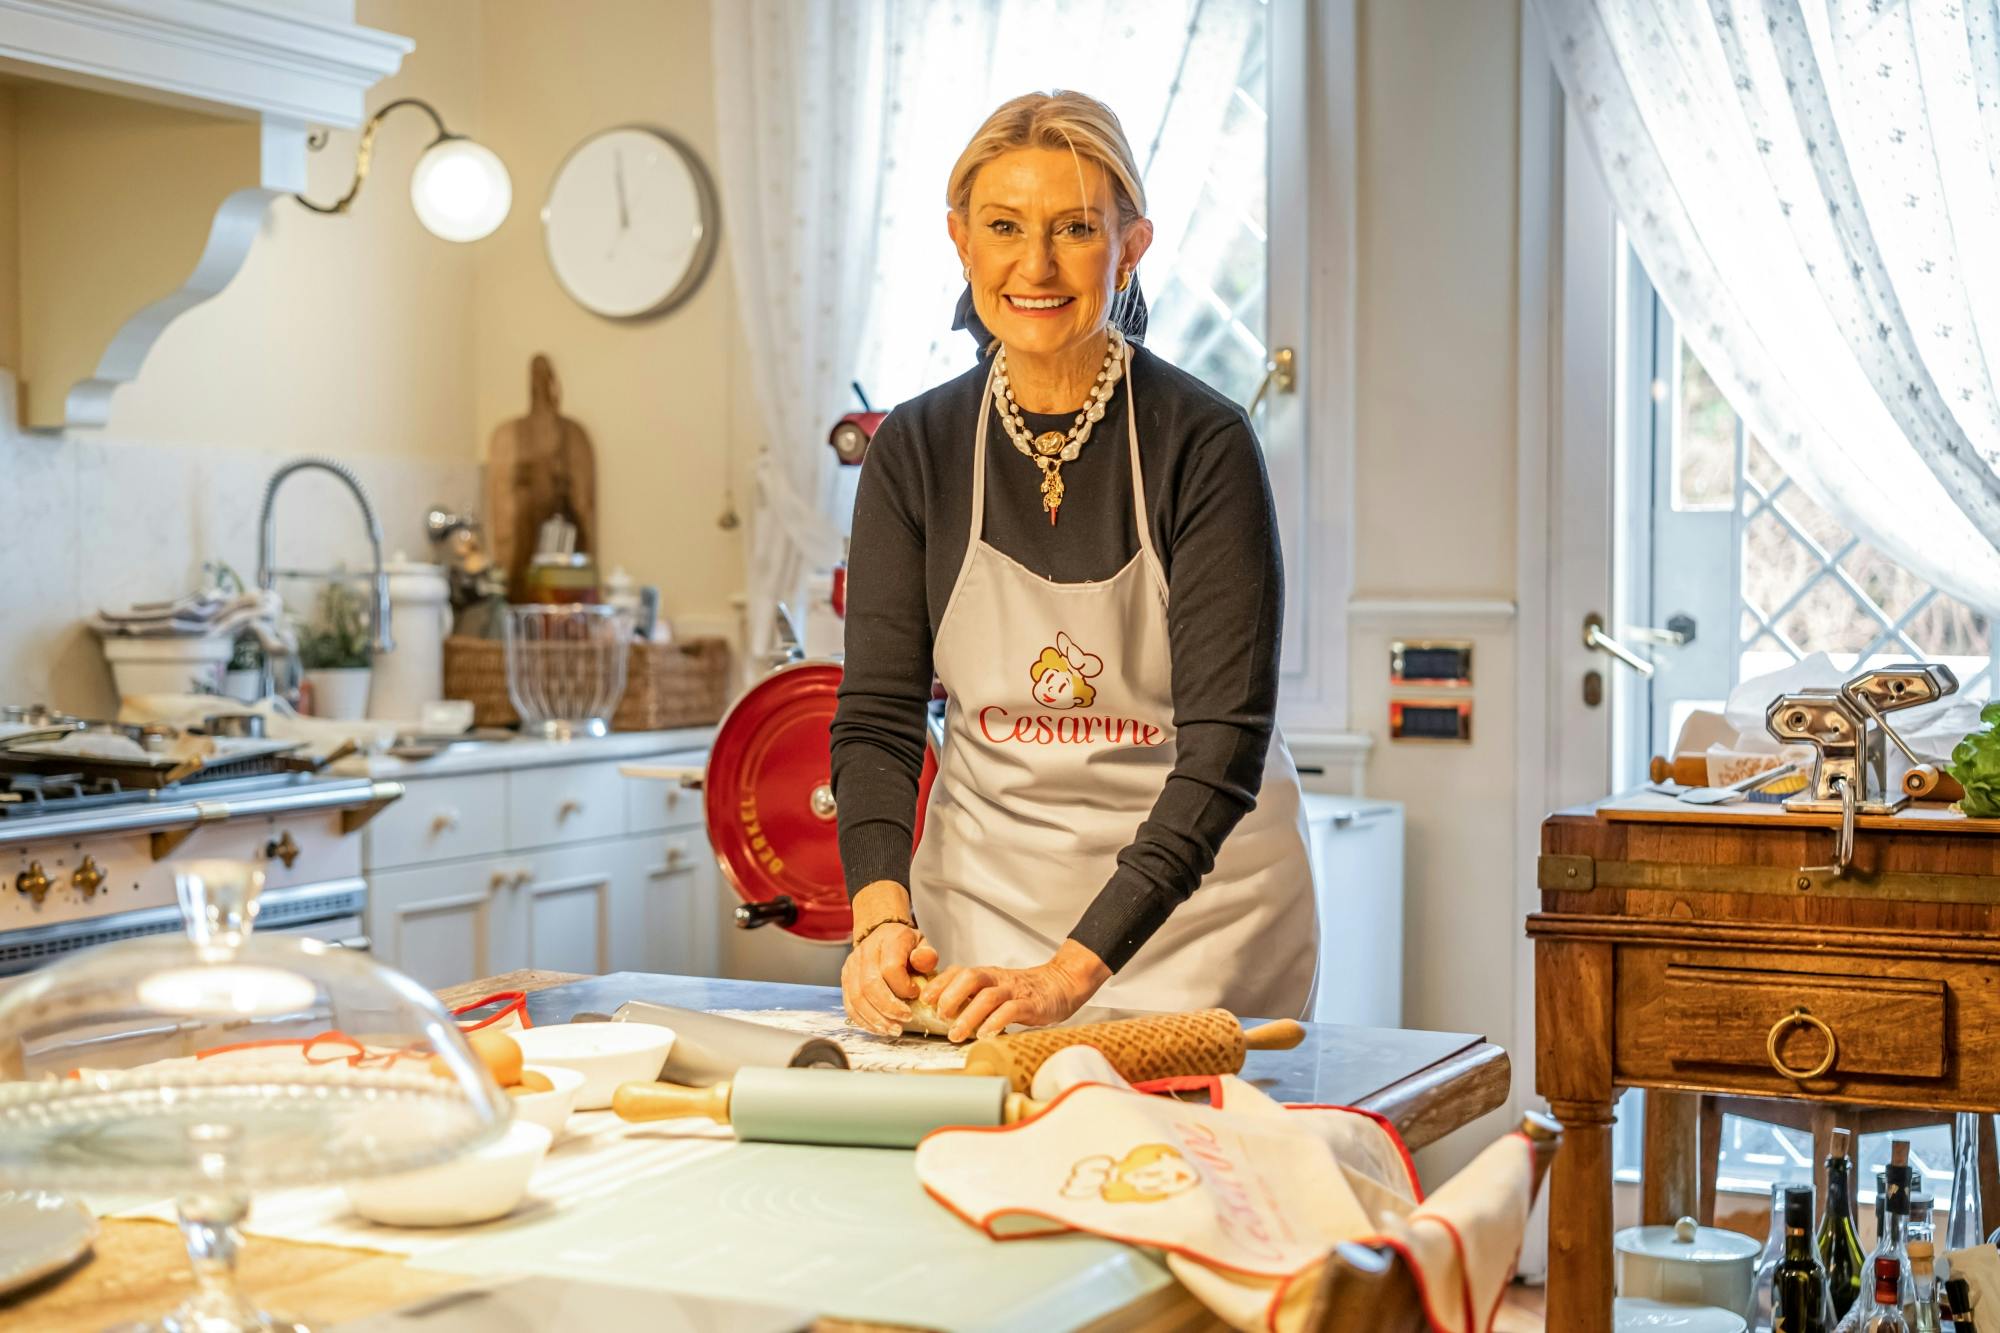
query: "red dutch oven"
768, 797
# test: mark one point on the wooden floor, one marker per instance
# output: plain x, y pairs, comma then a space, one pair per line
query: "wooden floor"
1521, 1312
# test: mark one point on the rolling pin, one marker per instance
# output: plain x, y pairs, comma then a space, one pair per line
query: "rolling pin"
1206, 1041
842, 1108
709, 1048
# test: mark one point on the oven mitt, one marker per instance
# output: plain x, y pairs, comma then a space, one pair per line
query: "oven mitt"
1247, 1197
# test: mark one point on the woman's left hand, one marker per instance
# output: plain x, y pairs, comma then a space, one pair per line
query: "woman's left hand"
983, 1001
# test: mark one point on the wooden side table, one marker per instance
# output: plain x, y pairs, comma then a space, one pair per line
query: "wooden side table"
1691, 950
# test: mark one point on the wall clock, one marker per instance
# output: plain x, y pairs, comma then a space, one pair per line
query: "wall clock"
630, 222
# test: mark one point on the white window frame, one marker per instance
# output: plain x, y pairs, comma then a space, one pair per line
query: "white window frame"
1309, 434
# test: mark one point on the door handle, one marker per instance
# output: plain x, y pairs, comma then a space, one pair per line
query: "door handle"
1595, 638
1678, 632
1280, 373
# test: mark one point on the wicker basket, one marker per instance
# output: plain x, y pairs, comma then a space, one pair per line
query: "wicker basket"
666, 684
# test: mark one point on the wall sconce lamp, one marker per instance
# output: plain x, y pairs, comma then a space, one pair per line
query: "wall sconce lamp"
460, 189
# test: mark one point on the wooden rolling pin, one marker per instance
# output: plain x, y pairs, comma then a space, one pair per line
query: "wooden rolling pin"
1925, 782
1206, 1041
842, 1107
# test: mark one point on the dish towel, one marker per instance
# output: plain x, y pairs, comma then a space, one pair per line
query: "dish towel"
1246, 1196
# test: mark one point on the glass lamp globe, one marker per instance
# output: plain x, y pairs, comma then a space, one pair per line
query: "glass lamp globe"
208, 1065
460, 190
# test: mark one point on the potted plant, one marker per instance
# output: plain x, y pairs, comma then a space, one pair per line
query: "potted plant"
333, 650
244, 679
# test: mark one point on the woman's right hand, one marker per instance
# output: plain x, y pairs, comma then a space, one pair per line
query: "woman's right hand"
879, 978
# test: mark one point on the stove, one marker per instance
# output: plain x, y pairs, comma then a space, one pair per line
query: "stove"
87, 857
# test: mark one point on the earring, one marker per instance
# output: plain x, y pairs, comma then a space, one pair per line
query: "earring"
1124, 278
968, 273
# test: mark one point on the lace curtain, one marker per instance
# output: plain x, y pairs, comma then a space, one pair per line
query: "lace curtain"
1811, 187
838, 125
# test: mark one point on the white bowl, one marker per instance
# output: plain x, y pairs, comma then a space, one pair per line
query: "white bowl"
606, 1054
475, 1187
549, 1109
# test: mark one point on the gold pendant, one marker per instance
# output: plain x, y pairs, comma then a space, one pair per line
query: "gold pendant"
1052, 489
1049, 444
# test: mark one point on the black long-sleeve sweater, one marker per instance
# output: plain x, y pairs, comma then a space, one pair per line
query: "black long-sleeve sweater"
1209, 502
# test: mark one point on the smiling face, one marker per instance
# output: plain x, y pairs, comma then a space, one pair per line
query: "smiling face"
1042, 238
1056, 688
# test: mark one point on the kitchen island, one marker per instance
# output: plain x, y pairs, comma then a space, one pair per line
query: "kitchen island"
1426, 1083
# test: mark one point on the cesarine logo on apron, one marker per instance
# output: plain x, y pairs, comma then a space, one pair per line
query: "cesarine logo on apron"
1060, 679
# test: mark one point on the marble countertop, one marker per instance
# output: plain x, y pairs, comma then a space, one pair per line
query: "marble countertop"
1335, 1065
688, 744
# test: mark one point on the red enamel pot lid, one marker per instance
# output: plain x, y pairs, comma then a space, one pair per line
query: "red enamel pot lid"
768, 798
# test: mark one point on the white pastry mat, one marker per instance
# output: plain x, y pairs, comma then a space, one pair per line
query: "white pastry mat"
864, 1050
598, 1156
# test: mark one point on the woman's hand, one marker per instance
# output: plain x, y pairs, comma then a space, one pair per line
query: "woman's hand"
878, 980
982, 1001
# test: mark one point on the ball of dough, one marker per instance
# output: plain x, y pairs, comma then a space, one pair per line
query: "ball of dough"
925, 1021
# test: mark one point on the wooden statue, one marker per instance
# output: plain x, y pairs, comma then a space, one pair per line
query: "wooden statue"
538, 466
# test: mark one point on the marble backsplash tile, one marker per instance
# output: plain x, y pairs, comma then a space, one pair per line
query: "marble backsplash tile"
95, 520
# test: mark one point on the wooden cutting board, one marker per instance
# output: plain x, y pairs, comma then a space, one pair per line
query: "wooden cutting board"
538, 466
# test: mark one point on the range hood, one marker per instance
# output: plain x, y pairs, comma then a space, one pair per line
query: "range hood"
256, 73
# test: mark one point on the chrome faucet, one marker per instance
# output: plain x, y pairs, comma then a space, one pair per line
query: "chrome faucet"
267, 537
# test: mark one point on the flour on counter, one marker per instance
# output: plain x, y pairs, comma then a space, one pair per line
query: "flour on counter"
864, 1050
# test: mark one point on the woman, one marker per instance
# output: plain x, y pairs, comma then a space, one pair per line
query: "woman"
1078, 539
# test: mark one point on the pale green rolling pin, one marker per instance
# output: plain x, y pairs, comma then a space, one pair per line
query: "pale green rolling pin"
840, 1107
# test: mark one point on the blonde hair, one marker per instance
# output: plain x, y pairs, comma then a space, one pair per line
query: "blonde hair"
1076, 121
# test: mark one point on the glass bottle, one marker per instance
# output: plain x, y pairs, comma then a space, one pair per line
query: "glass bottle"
1840, 1251
1799, 1299
1886, 1314
1763, 1300
1922, 1212
1923, 1309
1891, 1248
1959, 1293
1961, 1228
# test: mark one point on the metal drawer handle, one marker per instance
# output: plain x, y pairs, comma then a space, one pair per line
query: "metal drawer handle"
1800, 1017
444, 822
568, 808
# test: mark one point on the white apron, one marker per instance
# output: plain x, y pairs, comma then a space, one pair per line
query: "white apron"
1059, 736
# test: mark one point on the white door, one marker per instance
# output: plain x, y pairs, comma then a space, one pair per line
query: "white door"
444, 924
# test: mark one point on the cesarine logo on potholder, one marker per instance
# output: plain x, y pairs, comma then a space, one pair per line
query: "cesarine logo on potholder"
1062, 675
1149, 1173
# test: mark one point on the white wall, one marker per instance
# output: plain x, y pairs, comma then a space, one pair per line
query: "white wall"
1434, 483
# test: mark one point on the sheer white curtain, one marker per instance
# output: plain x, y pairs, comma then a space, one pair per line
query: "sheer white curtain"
806, 104
1811, 186
838, 125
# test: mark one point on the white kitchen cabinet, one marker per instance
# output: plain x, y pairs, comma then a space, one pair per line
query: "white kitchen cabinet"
568, 867
444, 924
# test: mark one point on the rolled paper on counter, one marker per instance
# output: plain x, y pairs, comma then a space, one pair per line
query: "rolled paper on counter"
1206, 1041
841, 1108
709, 1048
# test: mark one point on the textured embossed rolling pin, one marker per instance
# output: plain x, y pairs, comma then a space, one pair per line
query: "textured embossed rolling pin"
1205, 1041
842, 1107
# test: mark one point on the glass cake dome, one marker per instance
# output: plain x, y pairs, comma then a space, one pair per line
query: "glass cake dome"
208, 1065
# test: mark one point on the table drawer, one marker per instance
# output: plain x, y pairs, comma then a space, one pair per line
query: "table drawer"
1812, 1023
439, 819
570, 803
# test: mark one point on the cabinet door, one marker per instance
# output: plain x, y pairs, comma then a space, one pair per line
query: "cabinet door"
581, 909
444, 924
679, 873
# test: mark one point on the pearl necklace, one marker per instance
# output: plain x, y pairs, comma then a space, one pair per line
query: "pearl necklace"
1051, 449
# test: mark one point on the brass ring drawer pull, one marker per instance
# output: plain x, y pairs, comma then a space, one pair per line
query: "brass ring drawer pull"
1800, 1018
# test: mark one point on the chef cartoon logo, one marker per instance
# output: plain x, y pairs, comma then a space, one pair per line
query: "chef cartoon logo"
1062, 675
1150, 1173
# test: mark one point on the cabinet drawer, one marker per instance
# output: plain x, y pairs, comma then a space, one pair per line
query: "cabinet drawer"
1882, 1026
438, 820
653, 805
572, 803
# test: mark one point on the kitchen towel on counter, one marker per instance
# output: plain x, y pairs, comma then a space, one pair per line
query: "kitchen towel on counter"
1246, 1196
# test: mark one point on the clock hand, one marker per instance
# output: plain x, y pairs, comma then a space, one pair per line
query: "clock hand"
624, 214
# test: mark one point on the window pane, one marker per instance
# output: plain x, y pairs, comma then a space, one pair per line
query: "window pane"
1704, 441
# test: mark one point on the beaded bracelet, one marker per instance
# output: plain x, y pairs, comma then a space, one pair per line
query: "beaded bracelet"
855, 943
